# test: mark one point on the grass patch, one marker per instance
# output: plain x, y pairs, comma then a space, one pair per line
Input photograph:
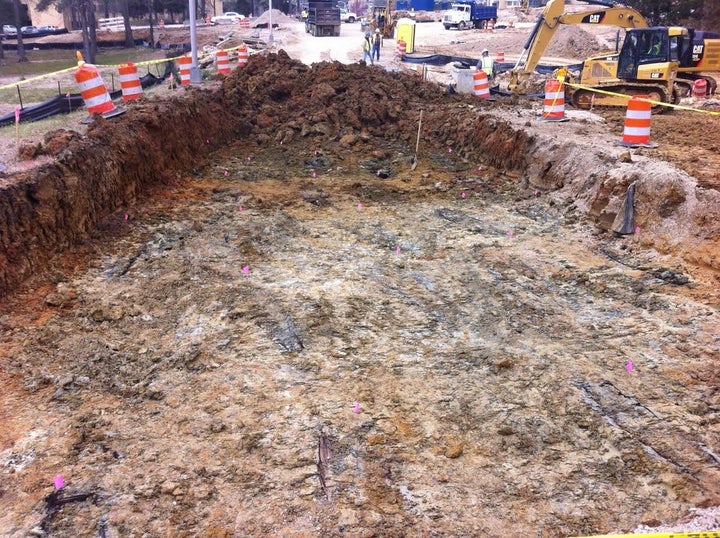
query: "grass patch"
42, 62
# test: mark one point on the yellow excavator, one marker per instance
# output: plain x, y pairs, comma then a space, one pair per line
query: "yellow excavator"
383, 17
661, 62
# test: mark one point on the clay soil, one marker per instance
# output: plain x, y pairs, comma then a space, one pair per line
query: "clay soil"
247, 315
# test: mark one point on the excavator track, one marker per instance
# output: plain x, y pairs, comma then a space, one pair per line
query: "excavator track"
586, 99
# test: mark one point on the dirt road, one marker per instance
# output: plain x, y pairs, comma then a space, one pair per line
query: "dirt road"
301, 336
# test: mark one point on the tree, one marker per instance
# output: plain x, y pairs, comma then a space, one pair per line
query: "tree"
85, 10
129, 40
710, 14
667, 12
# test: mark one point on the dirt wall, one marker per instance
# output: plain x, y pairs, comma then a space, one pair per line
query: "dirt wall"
277, 100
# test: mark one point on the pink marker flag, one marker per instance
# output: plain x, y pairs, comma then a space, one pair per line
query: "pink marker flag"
59, 481
356, 408
246, 269
629, 366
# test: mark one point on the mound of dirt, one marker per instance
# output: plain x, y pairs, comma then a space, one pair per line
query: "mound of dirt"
278, 17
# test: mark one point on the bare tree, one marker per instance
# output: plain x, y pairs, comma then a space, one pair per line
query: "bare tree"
86, 12
22, 57
129, 40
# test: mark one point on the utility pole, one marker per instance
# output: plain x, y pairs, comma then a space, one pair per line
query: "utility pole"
194, 69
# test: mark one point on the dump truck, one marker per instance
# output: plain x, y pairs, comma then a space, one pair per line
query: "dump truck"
323, 19
463, 15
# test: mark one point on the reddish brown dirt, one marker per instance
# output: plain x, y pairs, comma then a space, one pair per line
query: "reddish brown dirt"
686, 139
478, 317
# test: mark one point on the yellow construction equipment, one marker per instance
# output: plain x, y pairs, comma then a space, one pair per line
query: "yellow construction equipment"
661, 62
384, 18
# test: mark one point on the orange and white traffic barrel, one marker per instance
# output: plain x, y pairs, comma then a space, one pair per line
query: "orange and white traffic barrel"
185, 62
636, 133
500, 56
699, 89
554, 103
94, 93
242, 55
481, 86
222, 62
130, 82
401, 48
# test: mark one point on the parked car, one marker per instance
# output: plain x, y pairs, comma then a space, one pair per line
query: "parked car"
228, 17
348, 16
9, 30
30, 31
47, 30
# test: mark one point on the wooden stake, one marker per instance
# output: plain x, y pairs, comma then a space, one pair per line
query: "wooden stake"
417, 143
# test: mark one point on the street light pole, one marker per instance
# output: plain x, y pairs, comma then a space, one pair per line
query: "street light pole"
194, 69
270, 39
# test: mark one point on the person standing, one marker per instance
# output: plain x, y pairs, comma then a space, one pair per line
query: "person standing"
376, 43
486, 63
367, 49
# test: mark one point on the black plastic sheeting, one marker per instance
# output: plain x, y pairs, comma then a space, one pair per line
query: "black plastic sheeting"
64, 104
500, 67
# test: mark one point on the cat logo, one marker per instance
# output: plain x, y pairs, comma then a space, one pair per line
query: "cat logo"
698, 49
593, 18
655, 75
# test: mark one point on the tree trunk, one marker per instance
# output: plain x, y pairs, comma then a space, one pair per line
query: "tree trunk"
22, 57
129, 40
92, 30
85, 35
153, 18
2, 50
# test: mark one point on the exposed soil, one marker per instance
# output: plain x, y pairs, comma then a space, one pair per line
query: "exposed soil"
239, 311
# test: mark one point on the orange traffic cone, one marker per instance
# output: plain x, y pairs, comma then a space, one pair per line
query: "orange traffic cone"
94, 93
636, 133
699, 89
554, 104
222, 61
242, 55
481, 86
130, 82
185, 62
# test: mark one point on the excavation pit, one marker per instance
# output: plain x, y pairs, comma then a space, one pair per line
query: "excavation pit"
272, 326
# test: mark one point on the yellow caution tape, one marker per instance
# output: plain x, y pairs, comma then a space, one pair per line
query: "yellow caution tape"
687, 534
103, 66
660, 103
69, 69
35, 79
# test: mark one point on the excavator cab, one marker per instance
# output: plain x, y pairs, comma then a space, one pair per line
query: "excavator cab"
650, 53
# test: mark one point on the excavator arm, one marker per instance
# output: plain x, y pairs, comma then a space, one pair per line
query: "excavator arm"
553, 16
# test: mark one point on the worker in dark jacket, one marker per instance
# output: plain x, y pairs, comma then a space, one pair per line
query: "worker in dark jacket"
376, 43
